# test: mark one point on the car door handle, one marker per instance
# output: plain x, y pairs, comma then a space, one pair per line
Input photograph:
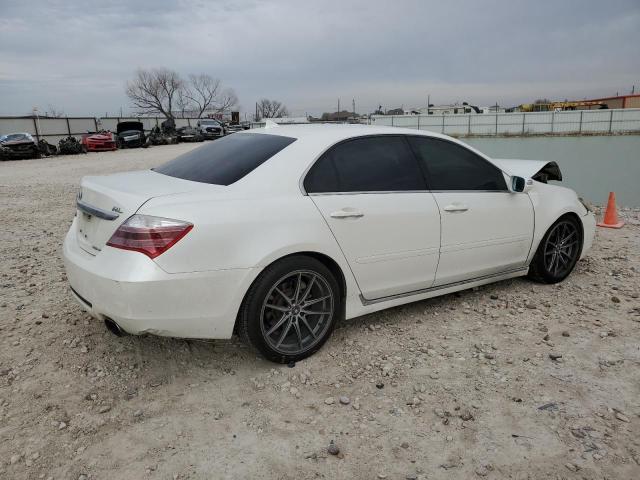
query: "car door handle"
456, 207
346, 214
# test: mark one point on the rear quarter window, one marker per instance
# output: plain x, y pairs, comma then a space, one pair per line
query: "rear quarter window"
225, 161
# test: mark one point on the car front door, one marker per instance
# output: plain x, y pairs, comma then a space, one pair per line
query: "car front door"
486, 229
372, 193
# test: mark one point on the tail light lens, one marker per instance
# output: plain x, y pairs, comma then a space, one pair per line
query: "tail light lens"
149, 235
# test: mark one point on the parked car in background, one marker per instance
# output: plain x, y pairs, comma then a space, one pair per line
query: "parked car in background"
130, 135
236, 127
99, 142
211, 128
17, 146
278, 233
189, 134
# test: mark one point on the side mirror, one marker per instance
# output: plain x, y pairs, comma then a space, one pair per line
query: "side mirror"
518, 184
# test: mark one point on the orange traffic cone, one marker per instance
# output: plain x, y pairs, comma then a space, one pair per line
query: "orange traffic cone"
611, 214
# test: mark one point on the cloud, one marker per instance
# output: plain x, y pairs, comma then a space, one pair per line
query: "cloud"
77, 55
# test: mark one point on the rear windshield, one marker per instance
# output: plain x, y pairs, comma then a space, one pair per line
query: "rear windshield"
225, 161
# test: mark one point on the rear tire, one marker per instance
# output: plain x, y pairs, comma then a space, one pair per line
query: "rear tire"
558, 252
291, 309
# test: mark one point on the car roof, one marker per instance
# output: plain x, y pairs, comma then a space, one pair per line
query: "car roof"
332, 133
286, 168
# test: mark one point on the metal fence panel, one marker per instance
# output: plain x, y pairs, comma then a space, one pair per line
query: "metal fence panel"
17, 125
520, 123
78, 126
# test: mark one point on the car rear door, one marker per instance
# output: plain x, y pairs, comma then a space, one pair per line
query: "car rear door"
486, 229
372, 194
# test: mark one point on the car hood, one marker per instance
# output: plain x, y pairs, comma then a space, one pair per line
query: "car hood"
541, 170
12, 143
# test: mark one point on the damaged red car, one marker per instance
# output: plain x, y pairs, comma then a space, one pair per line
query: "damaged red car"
99, 142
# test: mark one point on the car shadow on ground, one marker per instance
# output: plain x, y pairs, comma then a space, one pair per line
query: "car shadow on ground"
234, 353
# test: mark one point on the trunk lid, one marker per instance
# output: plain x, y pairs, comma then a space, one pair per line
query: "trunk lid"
105, 202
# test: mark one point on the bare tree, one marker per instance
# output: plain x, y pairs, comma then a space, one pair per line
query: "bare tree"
271, 109
183, 103
226, 101
155, 91
205, 94
162, 91
201, 91
54, 112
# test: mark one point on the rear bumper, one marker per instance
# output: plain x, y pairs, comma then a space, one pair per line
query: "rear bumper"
136, 293
589, 232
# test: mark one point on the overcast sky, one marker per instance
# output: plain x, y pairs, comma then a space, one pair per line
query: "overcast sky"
78, 55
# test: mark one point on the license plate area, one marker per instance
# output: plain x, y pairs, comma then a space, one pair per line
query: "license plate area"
87, 230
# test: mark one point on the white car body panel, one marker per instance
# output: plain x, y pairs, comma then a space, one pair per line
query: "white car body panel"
492, 235
405, 247
393, 247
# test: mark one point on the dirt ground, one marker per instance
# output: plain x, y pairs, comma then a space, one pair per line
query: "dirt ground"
462, 386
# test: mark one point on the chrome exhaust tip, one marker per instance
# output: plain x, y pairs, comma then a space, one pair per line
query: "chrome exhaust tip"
114, 328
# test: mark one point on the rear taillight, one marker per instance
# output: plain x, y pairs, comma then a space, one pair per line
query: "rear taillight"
149, 235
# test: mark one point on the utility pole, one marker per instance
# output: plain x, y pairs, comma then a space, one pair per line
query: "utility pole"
353, 105
338, 105
428, 102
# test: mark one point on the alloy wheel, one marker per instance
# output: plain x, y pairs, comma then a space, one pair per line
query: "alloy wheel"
561, 249
296, 312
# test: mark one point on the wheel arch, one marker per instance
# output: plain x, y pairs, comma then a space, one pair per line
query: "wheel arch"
333, 266
544, 220
570, 214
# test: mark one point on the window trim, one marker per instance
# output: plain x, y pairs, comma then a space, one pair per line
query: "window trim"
424, 167
366, 192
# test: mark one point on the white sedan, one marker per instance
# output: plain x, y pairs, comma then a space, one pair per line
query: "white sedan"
279, 233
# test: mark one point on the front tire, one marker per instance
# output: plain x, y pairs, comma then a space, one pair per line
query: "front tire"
291, 309
558, 252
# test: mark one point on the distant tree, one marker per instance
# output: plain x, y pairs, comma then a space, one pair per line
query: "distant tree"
271, 109
206, 93
226, 101
155, 91
54, 112
163, 92
542, 100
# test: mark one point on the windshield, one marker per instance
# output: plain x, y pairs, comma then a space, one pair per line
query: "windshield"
209, 122
227, 160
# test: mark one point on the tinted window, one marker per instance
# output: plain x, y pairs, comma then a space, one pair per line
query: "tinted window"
227, 160
452, 167
372, 164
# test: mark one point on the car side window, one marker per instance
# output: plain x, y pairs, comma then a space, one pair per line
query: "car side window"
452, 167
368, 164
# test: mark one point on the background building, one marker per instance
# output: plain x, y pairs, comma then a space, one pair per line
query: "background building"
620, 101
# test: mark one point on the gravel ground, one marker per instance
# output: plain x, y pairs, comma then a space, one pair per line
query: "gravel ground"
512, 380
